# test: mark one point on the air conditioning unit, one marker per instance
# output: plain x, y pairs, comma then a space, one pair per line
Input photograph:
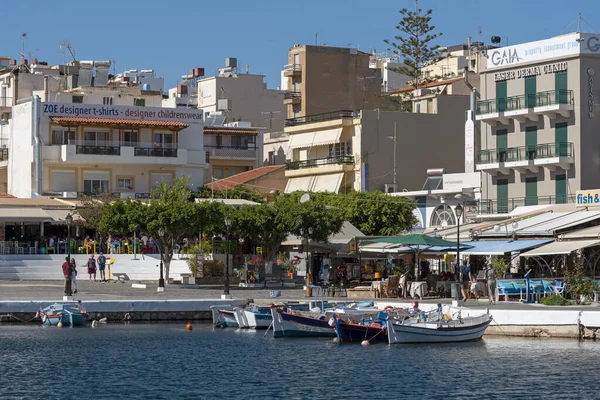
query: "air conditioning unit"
390, 188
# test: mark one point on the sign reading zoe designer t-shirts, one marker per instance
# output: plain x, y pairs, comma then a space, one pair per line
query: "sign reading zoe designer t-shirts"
121, 112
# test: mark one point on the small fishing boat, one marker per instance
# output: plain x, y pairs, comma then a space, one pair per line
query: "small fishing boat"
290, 324
67, 314
258, 317
437, 327
371, 330
223, 318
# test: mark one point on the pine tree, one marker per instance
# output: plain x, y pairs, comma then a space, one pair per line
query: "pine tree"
413, 45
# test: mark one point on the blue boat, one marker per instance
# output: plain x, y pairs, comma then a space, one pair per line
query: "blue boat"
68, 314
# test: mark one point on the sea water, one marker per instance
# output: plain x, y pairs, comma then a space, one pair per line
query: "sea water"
163, 361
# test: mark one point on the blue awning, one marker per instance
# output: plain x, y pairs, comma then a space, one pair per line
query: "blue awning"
499, 247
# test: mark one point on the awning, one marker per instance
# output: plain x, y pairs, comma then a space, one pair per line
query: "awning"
557, 248
117, 122
23, 214
328, 183
499, 247
318, 138
58, 217
303, 183
301, 140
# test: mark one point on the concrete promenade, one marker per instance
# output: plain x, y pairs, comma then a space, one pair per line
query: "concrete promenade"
119, 301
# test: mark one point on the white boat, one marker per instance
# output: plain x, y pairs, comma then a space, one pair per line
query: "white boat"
300, 325
258, 318
223, 318
240, 318
437, 327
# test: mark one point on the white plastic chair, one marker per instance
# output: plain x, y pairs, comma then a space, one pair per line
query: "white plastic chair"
34, 249
558, 288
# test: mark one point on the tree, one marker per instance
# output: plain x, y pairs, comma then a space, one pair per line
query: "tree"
414, 45
91, 209
237, 192
375, 213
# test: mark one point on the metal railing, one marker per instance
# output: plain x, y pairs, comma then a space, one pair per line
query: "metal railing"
292, 68
154, 152
553, 97
525, 153
329, 116
521, 102
98, 150
6, 101
486, 107
503, 206
291, 95
232, 151
317, 162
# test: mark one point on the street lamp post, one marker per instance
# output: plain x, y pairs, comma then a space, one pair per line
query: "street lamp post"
161, 280
459, 212
227, 226
69, 221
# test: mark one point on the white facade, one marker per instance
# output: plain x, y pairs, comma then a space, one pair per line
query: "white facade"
391, 80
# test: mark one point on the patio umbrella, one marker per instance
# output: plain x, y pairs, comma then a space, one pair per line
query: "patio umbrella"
414, 240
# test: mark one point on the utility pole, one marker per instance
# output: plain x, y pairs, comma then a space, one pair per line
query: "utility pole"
395, 151
270, 119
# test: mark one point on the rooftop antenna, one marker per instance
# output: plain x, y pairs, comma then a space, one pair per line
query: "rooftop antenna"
270, 119
316, 38
579, 23
23, 36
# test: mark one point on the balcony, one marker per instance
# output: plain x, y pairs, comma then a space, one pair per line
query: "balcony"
155, 152
318, 166
550, 103
232, 152
98, 150
503, 206
291, 70
292, 97
523, 158
330, 116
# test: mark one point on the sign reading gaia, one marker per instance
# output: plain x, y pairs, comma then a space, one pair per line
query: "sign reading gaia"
531, 71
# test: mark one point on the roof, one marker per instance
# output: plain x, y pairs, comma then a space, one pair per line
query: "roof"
36, 202
428, 85
499, 247
593, 232
243, 177
35, 214
119, 122
221, 130
346, 233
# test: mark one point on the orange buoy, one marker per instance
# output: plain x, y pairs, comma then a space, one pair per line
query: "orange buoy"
188, 327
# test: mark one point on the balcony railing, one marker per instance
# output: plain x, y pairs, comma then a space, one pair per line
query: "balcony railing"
115, 195
3, 154
155, 152
232, 151
291, 95
6, 101
292, 68
503, 206
522, 102
98, 150
525, 153
317, 162
330, 116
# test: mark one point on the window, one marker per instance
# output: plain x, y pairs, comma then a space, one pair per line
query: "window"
219, 140
236, 142
271, 158
96, 138
61, 136
130, 138
139, 102
107, 101
95, 186
164, 140
340, 149
77, 99
125, 183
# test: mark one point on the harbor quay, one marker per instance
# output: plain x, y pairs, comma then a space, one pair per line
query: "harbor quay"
121, 302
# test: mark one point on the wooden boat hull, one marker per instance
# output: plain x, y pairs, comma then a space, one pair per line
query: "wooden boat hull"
223, 318
350, 333
293, 325
446, 332
78, 319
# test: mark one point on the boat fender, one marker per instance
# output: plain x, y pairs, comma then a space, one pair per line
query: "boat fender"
388, 308
94, 323
60, 324
447, 317
188, 327
331, 321
365, 343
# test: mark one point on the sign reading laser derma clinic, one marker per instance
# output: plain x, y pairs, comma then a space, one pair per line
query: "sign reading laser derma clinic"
188, 115
587, 198
557, 47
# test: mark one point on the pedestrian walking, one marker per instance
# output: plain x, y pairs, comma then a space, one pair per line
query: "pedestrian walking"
74, 275
490, 277
66, 267
91, 266
102, 266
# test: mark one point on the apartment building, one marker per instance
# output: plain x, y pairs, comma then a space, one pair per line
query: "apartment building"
539, 119
74, 129
373, 149
323, 79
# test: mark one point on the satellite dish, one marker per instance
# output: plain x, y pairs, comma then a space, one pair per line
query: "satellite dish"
305, 197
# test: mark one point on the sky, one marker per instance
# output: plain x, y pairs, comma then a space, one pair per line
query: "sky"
174, 36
